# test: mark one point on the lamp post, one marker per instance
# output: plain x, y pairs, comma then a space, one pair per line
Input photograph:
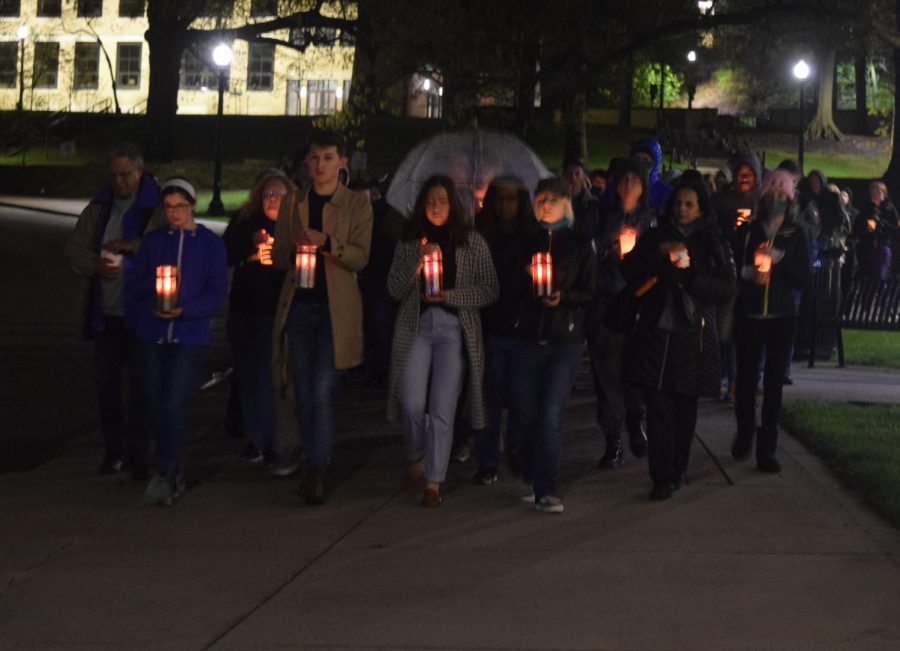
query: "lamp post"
22, 33
222, 55
692, 87
801, 73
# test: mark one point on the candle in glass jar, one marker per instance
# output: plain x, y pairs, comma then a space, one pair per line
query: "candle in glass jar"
542, 274
627, 240
306, 266
166, 287
433, 272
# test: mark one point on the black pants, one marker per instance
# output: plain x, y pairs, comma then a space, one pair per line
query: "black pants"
617, 402
671, 419
753, 337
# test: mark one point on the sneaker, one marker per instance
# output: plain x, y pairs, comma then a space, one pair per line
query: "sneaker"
549, 504
284, 465
158, 492
251, 454
112, 465
768, 464
486, 476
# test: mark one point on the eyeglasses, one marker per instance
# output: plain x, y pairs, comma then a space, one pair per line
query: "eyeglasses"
178, 207
273, 194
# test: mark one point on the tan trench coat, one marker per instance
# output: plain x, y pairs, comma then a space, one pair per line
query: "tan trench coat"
347, 220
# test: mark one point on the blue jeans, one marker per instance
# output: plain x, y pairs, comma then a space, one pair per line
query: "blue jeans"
311, 352
543, 385
119, 392
251, 346
500, 357
172, 375
431, 386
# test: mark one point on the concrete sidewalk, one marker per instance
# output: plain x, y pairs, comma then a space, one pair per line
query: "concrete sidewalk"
737, 559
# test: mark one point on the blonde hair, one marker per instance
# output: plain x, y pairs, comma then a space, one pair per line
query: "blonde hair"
881, 186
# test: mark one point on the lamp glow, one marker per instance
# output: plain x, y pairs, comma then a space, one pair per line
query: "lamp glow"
801, 70
222, 55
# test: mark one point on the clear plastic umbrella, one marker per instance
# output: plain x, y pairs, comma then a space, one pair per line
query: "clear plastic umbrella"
472, 159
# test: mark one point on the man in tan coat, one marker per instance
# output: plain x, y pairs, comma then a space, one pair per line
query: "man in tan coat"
322, 324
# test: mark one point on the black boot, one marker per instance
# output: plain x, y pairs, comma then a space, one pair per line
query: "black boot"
612, 457
637, 439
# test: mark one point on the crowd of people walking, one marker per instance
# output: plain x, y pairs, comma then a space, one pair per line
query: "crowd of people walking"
696, 281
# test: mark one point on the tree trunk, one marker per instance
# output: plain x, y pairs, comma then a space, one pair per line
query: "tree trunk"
862, 110
822, 125
626, 93
363, 101
575, 138
526, 82
166, 38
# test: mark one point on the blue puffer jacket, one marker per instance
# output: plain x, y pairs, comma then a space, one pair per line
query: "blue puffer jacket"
203, 282
659, 190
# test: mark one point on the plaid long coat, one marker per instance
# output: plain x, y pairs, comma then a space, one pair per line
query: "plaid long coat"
476, 287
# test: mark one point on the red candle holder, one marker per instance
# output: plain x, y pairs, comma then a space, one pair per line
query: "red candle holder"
166, 287
433, 272
542, 274
306, 266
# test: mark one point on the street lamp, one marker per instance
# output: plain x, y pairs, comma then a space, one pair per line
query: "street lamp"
801, 73
691, 87
22, 33
222, 56
692, 56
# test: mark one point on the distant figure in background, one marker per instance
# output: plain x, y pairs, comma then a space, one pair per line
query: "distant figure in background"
649, 152
598, 182
736, 204
584, 202
102, 249
173, 342
875, 230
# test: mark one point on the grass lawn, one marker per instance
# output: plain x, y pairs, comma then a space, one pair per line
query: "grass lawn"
861, 444
872, 348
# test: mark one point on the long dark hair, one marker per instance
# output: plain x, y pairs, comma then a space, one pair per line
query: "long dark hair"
704, 203
487, 218
456, 223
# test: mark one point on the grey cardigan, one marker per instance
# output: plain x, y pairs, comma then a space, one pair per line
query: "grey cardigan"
476, 287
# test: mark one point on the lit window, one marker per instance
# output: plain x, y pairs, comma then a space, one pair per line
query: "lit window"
87, 65
9, 54
128, 65
46, 65
196, 73
321, 97
260, 66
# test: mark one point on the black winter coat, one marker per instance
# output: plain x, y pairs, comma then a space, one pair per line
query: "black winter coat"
574, 276
675, 344
775, 299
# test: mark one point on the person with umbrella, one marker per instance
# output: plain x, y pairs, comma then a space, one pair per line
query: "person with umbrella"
437, 332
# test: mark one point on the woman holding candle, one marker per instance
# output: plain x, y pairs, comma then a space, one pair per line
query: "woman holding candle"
874, 229
437, 333
679, 272
772, 255
173, 340
553, 329
619, 406
506, 218
255, 286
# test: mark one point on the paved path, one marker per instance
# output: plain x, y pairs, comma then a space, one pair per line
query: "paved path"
737, 560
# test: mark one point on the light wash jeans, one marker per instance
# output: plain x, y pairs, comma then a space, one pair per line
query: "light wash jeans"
431, 390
